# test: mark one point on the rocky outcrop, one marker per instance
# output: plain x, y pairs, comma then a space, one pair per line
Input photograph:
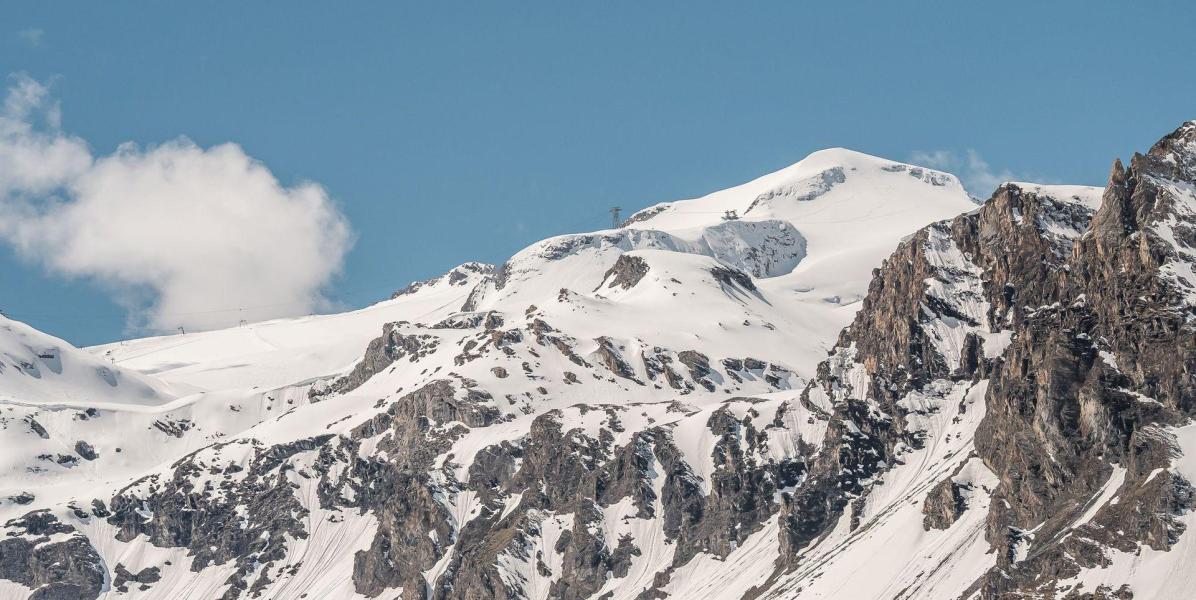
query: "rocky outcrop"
543, 503
699, 367
85, 450
934, 178
1081, 327
545, 335
22, 498
141, 580
393, 345
627, 271
646, 214
457, 276
246, 519
658, 364
37, 428
944, 504
610, 355
1103, 366
733, 279
804, 190
51, 557
568, 482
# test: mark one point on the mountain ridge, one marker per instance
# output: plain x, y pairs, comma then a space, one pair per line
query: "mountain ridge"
691, 406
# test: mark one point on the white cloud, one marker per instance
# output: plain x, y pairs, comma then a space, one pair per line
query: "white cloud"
35, 156
34, 36
980, 179
181, 235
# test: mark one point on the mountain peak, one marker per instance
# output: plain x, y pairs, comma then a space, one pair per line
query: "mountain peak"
863, 186
1175, 154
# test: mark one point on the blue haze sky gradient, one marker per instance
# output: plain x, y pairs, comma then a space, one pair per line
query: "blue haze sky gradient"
460, 131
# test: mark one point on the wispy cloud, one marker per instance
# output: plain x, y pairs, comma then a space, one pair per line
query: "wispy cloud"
182, 235
978, 177
35, 36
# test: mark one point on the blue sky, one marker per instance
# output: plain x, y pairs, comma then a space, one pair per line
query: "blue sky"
448, 132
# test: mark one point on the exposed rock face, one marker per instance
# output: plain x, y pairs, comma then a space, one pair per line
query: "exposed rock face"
646, 214
22, 498
37, 428
568, 483
1104, 364
85, 450
413, 525
382, 352
1080, 326
141, 580
245, 519
944, 504
42, 553
761, 248
932, 177
765, 248
732, 279
699, 367
459, 275
611, 356
627, 271
804, 190
237, 503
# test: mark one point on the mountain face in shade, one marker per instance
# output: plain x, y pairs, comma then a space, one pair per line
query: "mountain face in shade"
841, 380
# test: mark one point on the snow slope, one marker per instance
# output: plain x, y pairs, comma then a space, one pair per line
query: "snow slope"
36, 368
286, 351
816, 230
607, 325
811, 247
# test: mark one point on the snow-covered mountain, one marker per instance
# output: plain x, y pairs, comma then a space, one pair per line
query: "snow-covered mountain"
807, 386
43, 370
